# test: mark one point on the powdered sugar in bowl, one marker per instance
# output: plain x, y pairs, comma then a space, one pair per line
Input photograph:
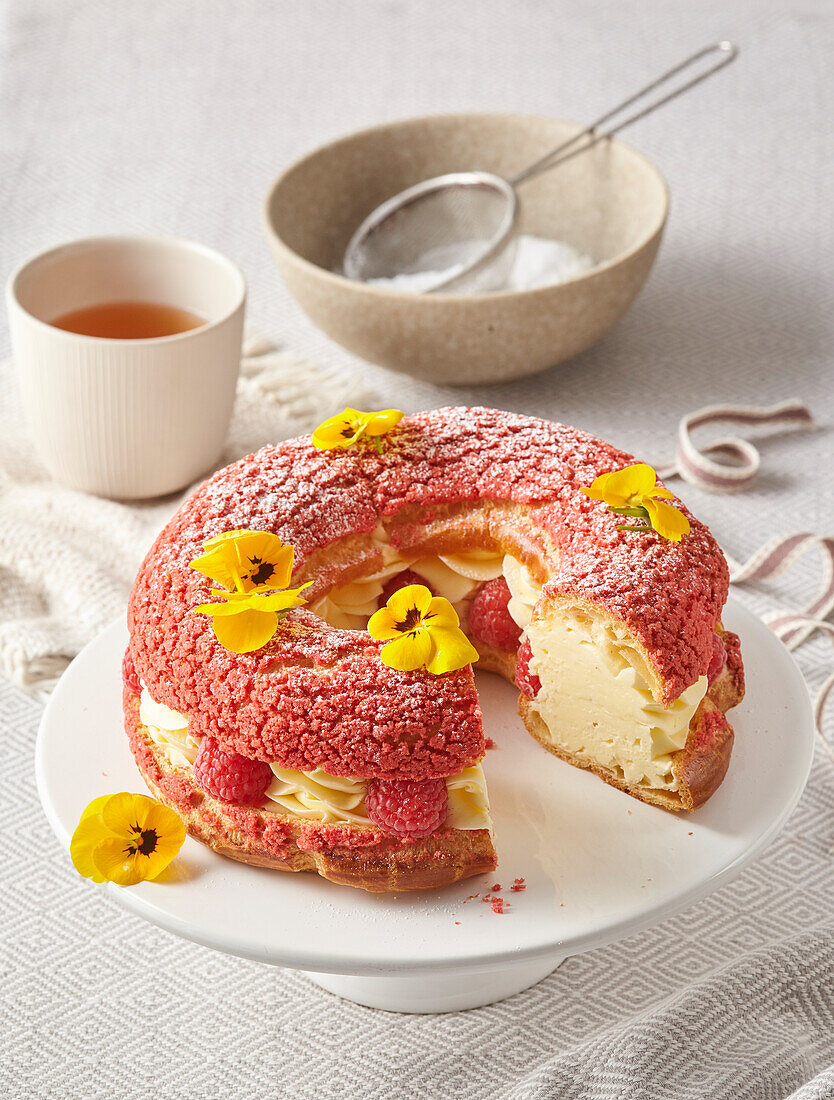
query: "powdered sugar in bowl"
609, 205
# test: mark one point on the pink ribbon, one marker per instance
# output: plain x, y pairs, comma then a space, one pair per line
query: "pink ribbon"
795, 627
786, 621
777, 556
693, 464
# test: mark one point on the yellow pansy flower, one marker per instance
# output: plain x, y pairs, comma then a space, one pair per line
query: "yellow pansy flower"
125, 838
633, 491
246, 561
254, 567
246, 621
421, 629
351, 425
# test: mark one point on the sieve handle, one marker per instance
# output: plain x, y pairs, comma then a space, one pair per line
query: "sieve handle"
727, 52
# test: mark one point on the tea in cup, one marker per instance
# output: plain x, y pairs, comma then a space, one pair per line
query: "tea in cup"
128, 354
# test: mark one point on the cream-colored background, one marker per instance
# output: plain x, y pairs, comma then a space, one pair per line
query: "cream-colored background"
175, 117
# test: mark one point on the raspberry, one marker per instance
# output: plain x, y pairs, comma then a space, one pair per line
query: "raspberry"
230, 776
490, 621
719, 656
525, 680
401, 580
129, 676
407, 807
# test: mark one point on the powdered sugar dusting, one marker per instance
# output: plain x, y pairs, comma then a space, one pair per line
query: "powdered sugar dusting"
319, 697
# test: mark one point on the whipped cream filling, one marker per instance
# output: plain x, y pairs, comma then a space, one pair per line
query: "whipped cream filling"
331, 798
595, 698
525, 591
169, 731
317, 795
596, 701
455, 576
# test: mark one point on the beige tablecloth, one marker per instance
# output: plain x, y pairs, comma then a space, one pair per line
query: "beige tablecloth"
175, 117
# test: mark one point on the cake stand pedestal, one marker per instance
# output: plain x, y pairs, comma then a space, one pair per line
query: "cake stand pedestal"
597, 865
417, 992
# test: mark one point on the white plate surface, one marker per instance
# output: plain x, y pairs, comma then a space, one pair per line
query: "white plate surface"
598, 865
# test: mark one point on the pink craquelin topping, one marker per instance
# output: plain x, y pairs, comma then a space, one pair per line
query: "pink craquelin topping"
718, 659
129, 677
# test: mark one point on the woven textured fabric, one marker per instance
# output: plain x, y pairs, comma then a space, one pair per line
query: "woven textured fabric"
731, 999
68, 559
175, 117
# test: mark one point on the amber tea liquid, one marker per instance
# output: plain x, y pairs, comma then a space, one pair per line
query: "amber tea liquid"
128, 320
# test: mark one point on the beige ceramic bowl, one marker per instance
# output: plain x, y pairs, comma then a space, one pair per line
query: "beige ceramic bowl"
610, 203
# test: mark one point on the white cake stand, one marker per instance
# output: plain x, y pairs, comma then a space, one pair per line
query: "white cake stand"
598, 865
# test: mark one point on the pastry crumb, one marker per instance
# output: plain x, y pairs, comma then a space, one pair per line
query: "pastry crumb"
498, 905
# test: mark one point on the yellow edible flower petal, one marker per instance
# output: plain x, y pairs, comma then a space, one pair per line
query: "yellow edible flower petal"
264, 561
380, 423
125, 838
403, 612
222, 538
245, 629
224, 607
635, 487
254, 567
234, 603
620, 487
87, 836
119, 813
246, 561
246, 621
421, 629
408, 652
216, 566
94, 808
279, 601
440, 613
338, 432
116, 861
666, 519
452, 651
414, 597
383, 626
128, 862
346, 429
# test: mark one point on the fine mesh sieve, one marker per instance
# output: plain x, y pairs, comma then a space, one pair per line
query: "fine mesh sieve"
447, 231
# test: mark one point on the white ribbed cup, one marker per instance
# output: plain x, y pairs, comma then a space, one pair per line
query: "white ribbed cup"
127, 418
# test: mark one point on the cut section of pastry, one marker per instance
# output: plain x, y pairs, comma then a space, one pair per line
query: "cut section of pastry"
310, 753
